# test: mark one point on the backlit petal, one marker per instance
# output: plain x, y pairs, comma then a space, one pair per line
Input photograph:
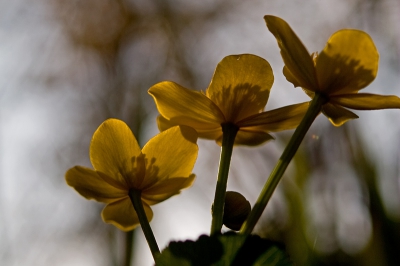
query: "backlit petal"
292, 78
115, 152
250, 138
337, 115
171, 153
348, 63
155, 199
164, 124
91, 185
240, 86
297, 59
283, 118
170, 185
166, 189
122, 214
366, 101
185, 107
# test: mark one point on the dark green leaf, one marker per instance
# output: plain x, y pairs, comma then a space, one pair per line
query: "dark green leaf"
229, 249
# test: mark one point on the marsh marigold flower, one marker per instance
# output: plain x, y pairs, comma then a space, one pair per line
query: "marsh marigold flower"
347, 64
159, 170
237, 94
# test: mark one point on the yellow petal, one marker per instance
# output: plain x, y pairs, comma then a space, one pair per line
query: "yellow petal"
122, 214
310, 94
170, 185
240, 86
166, 189
366, 101
182, 106
249, 138
298, 62
210, 134
171, 153
115, 152
155, 199
348, 63
337, 115
292, 78
91, 185
283, 118
164, 124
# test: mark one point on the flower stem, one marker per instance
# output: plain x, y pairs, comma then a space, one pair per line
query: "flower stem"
128, 247
135, 196
313, 110
229, 132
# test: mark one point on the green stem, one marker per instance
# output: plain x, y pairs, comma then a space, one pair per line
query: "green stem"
128, 247
135, 196
229, 132
313, 110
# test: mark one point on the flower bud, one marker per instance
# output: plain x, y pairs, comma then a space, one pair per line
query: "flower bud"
236, 210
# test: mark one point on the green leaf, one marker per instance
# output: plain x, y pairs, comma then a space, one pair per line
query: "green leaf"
229, 249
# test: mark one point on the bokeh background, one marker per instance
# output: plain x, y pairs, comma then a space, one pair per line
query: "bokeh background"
66, 66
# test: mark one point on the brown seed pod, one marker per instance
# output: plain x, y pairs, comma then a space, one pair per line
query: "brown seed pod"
236, 210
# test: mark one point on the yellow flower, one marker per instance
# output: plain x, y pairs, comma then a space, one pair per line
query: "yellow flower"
347, 64
160, 170
237, 94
